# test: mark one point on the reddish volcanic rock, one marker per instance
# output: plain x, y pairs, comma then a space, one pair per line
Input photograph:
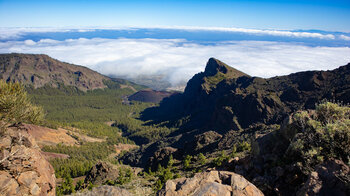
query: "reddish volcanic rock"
24, 170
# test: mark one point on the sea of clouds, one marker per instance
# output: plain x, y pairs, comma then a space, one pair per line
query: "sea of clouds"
179, 59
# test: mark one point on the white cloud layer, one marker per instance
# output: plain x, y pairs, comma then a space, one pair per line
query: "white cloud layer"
7, 33
259, 32
344, 37
179, 59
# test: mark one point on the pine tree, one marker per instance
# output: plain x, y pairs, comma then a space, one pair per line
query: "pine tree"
170, 162
187, 161
15, 106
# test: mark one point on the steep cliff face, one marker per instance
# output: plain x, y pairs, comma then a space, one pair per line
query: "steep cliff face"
39, 70
23, 169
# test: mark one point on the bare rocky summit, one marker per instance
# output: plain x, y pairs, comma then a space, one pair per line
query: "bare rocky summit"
23, 169
213, 183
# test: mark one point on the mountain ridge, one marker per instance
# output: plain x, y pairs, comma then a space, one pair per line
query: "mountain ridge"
39, 70
251, 100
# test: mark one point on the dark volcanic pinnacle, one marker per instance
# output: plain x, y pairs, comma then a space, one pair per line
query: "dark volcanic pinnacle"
214, 66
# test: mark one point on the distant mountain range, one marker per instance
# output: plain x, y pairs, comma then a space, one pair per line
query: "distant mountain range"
39, 70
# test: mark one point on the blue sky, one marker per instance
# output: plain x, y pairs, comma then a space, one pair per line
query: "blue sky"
330, 15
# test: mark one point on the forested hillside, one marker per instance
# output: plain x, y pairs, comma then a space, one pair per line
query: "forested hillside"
69, 102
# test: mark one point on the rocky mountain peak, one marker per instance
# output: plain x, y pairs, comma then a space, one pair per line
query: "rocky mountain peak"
215, 66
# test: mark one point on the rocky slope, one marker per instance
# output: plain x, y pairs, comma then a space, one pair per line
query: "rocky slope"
308, 155
23, 169
49, 137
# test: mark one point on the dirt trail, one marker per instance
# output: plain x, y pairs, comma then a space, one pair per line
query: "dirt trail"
52, 155
127, 86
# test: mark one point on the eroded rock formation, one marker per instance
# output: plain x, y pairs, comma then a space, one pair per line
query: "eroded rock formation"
23, 169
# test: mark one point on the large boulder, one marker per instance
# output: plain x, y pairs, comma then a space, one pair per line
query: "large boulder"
213, 183
23, 169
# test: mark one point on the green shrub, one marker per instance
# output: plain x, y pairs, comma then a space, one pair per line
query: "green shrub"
234, 152
243, 146
217, 162
328, 112
323, 135
163, 175
80, 185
